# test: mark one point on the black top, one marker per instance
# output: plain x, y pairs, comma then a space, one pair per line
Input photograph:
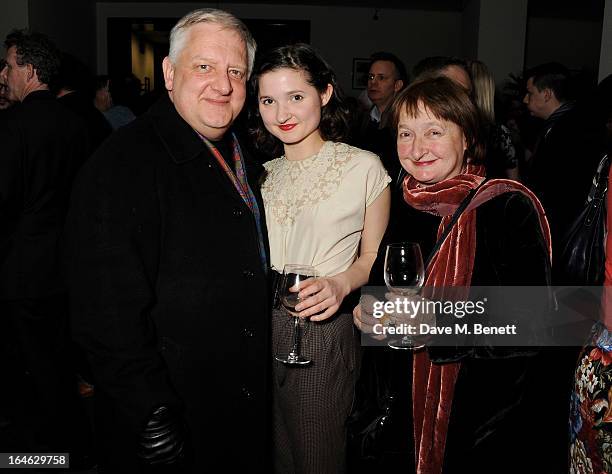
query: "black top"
168, 294
43, 146
564, 161
98, 128
488, 405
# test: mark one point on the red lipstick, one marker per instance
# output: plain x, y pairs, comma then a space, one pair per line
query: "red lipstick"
286, 127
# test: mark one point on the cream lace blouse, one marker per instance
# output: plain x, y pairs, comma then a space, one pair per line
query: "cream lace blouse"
315, 207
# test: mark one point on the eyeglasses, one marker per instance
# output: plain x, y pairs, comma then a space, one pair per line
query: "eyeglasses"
378, 77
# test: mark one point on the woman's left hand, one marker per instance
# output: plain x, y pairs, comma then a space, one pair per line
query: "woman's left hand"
321, 296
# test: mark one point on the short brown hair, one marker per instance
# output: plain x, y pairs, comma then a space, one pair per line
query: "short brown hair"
445, 100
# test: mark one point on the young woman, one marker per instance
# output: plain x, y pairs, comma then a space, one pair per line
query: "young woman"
327, 205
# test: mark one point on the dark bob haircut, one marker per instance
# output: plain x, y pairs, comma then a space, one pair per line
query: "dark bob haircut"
334, 123
35, 49
445, 100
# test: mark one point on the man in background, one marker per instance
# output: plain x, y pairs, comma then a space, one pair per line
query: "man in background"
386, 78
43, 144
567, 150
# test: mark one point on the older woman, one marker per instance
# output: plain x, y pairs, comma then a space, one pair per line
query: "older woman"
468, 407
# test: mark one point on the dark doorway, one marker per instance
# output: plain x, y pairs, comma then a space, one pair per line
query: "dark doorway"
151, 35
273, 33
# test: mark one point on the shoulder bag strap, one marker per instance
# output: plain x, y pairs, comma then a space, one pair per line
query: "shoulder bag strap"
600, 180
464, 204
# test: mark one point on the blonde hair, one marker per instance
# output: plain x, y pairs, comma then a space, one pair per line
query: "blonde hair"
483, 89
178, 34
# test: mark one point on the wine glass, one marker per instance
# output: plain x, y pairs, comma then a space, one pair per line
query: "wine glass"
404, 275
293, 276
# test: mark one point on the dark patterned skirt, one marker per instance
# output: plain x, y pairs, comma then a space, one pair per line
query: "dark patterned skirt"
312, 402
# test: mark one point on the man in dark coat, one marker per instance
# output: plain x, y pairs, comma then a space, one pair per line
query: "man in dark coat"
563, 163
566, 152
169, 270
386, 79
74, 89
43, 144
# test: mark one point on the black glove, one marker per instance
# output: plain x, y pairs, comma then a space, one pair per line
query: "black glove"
162, 441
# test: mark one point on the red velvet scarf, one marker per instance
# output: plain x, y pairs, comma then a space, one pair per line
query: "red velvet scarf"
433, 385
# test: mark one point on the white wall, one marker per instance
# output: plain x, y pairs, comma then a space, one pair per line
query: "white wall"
341, 34
574, 43
14, 14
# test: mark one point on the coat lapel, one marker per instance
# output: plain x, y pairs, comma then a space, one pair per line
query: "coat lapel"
183, 144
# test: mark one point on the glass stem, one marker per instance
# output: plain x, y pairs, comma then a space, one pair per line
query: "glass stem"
296, 336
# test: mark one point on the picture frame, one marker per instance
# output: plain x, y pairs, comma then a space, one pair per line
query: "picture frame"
361, 68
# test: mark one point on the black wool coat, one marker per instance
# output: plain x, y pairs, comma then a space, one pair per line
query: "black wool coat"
169, 296
42, 146
500, 391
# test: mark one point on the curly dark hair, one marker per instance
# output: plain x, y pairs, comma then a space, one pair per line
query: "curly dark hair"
334, 123
35, 49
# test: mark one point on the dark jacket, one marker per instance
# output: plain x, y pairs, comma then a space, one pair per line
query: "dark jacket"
42, 146
382, 142
169, 296
98, 128
564, 161
497, 390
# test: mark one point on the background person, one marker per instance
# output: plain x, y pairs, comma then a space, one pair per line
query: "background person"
43, 146
327, 205
502, 159
111, 102
74, 90
386, 77
456, 69
566, 152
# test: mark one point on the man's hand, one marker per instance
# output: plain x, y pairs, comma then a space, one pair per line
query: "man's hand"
162, 441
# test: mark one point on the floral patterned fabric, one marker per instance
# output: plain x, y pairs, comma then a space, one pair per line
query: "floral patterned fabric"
591, 407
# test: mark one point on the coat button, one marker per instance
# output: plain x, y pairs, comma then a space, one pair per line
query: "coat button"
246, 393
248, 332
248, 273
237, 212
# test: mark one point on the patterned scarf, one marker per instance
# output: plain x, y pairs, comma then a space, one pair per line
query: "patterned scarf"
434, 384
240, 182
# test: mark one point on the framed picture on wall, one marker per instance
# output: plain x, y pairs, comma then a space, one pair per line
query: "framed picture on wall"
361, 67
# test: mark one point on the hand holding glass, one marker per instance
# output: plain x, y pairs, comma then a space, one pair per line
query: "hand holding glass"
404, 275
291, 280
